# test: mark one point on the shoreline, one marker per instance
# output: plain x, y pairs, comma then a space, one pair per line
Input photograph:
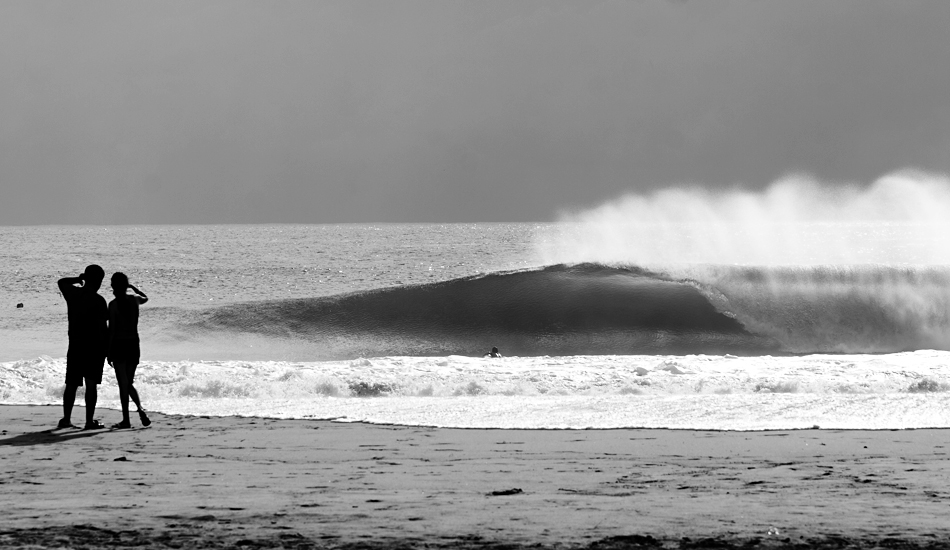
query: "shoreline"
227, 481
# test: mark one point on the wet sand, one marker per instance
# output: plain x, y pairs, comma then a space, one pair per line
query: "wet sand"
216, 482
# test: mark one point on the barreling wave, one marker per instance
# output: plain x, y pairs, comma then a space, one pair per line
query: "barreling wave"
594, 309
556, 310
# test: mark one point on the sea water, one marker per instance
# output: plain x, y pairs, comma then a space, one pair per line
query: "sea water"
387, 323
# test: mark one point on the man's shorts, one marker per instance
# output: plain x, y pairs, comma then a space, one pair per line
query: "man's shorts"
83, 363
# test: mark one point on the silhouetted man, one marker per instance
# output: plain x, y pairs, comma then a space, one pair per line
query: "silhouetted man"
88, 338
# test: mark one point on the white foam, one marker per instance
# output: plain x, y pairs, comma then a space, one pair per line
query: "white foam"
904, 390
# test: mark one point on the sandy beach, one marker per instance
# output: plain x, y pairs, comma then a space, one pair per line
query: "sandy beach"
213, 482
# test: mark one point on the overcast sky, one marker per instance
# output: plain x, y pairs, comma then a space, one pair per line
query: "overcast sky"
509, 110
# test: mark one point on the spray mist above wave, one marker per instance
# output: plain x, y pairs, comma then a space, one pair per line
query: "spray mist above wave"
902, 218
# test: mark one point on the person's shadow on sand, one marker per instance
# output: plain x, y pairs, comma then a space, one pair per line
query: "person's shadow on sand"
45, 437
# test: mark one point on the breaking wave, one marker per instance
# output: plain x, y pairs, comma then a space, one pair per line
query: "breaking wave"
596, 309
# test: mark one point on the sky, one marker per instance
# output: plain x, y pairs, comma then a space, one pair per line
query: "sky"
116, 112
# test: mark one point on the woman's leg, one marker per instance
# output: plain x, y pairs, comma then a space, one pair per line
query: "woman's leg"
130, 373
123, 381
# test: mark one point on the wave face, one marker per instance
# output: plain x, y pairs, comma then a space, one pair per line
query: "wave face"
557, 310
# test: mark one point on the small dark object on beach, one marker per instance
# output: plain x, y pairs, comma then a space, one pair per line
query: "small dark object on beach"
20, 305
506, 492
120, 459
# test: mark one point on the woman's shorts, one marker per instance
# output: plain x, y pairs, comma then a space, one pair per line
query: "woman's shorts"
124, 351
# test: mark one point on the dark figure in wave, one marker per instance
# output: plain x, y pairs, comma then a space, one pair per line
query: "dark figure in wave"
124, 344
493, 353
88, 337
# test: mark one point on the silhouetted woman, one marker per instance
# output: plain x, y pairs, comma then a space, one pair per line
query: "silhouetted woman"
124, 343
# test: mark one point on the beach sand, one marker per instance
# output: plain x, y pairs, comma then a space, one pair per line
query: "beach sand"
216, 482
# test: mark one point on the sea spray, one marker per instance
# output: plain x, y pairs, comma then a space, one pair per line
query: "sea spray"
902, 218
850, 309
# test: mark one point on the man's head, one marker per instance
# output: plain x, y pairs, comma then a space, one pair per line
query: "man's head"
92, 277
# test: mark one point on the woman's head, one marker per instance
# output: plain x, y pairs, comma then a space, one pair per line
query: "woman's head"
120, 283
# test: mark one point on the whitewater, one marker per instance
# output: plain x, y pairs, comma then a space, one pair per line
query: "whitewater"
893, 391
804, 306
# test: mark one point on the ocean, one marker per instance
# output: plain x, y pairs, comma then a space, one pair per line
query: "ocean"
387, 323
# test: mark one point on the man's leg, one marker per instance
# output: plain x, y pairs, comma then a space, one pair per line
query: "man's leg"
74, 379
93, 377
69, 397
92, 391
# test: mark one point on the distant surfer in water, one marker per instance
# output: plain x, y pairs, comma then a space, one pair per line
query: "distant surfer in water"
493, 353
124, 344
88, 333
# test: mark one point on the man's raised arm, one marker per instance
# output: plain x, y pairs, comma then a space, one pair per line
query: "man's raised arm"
68, 284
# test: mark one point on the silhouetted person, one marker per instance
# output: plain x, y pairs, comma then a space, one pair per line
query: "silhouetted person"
88, 334
124, 344
493, 353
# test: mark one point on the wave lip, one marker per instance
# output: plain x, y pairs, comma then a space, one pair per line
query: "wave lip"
555, 310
